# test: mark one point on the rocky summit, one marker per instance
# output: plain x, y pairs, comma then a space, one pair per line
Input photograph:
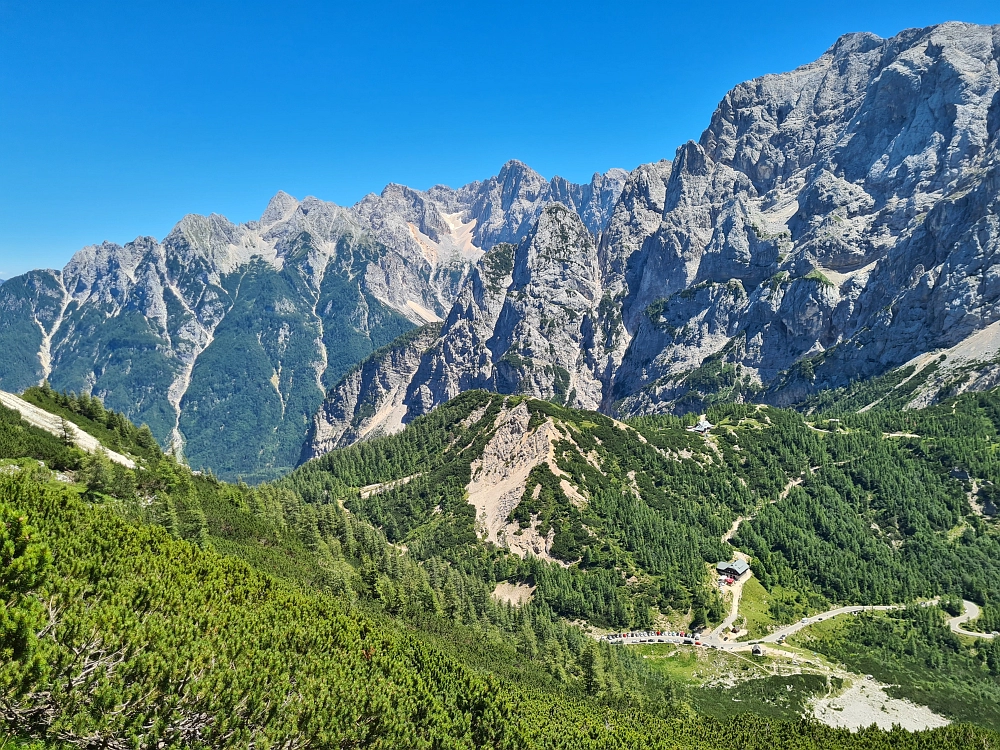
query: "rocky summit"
831, 225
224, 338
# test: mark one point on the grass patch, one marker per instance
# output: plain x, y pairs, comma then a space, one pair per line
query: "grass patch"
755, 608
831, 627
819, 277
694, 667
721, 684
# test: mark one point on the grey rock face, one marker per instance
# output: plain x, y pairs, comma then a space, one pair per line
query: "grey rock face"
506, 206
370, 399
548, 315
445, 231
523, 322
830, 224
825, 193
520, 324
461, 359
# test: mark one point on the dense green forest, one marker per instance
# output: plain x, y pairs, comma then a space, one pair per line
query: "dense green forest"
156, 606
860, 510
661, 538
258, 378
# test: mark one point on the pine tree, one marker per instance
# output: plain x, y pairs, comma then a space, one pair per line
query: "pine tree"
593, 669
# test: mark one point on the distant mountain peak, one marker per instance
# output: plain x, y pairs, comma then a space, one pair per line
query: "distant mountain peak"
224, 337
831, 223
279, 208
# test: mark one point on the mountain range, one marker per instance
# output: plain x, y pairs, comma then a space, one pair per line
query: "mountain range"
832, 224
223, 338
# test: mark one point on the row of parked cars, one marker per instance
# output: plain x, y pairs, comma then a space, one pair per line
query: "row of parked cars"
655, 636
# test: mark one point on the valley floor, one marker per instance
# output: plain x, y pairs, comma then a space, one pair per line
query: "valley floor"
846, 699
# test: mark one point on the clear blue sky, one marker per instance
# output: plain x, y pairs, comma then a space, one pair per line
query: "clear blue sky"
117, 118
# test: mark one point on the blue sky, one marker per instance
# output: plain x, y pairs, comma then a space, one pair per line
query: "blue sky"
116, 119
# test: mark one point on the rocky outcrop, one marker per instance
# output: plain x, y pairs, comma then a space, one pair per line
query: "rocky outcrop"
832, 223
462, 359
547, 318
522, 322
370, 399
499, 478
506, 206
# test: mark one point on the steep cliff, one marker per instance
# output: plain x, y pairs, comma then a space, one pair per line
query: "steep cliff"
370, 399
834, 221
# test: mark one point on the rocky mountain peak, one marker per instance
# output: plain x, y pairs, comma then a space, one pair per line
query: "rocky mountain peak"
213, 245
514, 173
105, 266
224, 337
828, 173
560, 254
635, 216
279, 208
831, 223
506, 206
854, 43
398, 202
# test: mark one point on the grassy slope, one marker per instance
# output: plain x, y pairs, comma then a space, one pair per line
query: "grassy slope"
208, 607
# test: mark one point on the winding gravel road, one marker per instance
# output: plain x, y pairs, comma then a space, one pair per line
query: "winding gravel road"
971, 613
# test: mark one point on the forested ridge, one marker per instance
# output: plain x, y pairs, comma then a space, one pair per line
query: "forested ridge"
861, 509
157, 606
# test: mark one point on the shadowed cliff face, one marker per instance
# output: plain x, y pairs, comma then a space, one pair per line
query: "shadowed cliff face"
830, 224
225, 337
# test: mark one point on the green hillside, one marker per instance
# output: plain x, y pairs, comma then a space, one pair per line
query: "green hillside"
841, 514
159, 608
863, 510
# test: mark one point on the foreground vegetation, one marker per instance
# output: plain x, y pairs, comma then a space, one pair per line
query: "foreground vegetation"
143, 639
159, 608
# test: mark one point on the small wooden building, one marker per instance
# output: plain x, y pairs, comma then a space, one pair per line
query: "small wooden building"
733, 569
